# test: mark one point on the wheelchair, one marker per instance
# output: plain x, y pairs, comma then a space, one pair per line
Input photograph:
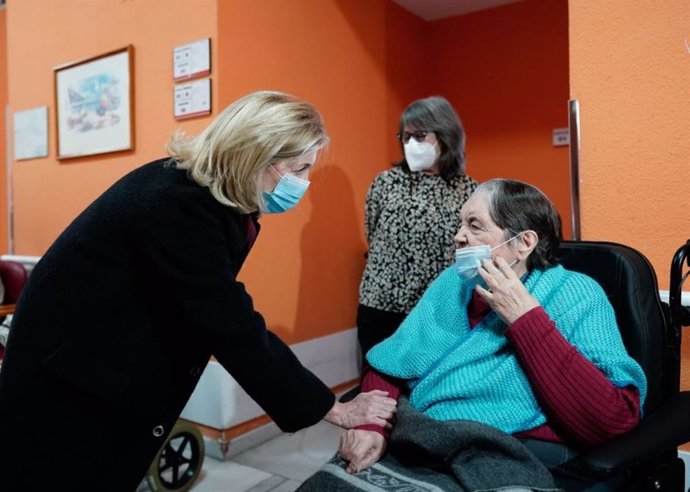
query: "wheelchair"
645, 458
178, 463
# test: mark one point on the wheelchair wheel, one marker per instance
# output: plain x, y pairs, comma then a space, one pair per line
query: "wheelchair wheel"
178, 463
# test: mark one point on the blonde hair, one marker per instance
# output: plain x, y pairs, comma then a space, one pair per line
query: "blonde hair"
230, 155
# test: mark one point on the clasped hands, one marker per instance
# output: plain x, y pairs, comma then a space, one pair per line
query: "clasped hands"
373, 407
363, 448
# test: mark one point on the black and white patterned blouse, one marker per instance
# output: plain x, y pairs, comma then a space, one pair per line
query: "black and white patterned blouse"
410, 220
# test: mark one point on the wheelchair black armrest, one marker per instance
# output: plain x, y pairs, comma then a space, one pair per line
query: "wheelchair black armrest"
659, 432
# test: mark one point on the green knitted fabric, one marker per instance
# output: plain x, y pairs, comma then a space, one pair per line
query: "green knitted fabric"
456, 372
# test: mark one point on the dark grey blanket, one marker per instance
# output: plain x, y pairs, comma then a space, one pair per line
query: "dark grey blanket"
426, 455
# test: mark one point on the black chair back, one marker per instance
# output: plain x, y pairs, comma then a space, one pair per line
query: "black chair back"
630, 283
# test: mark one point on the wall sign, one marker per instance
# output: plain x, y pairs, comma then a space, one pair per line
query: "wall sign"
193, 99
192, 60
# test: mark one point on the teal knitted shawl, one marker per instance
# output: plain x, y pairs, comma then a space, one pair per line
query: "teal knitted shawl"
457, 372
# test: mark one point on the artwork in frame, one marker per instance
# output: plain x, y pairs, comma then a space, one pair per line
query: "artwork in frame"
31, 133
94, 105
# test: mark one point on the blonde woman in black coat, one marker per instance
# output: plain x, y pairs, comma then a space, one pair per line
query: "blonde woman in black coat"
121, 315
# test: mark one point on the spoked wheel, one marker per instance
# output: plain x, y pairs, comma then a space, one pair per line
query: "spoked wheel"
179, 461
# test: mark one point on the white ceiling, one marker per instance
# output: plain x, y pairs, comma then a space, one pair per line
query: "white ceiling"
438, 9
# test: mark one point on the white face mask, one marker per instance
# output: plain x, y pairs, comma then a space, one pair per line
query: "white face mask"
469, 259
420, 155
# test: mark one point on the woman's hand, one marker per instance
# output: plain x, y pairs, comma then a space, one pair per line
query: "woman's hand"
507, 296
361, 448
373, 407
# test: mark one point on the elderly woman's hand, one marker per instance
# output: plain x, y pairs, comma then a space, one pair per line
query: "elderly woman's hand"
361, 448
507, 295
373, 407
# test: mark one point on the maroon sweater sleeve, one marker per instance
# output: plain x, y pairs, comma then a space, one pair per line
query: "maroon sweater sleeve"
374, 380
578, 398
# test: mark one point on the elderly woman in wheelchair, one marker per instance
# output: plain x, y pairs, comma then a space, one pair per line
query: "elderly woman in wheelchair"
508, 339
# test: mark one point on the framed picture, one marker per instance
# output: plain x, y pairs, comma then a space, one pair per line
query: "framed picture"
94, 105
31, 133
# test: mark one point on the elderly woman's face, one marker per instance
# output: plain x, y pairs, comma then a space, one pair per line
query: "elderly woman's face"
477, 228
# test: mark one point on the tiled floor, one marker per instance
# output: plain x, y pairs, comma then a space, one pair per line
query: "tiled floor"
278, 465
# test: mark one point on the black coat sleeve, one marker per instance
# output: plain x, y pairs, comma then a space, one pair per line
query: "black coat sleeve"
194, 248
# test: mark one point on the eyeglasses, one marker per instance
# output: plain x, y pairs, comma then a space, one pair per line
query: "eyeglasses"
418, 135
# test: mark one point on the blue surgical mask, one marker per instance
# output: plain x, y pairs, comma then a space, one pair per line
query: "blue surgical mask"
289, 190
469, 259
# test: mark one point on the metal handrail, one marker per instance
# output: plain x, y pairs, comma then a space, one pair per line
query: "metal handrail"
679, 315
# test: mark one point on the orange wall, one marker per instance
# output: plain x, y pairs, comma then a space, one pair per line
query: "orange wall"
3, 130
305, 268
305, 271
49, 193
506, 72
359, 66
630, 70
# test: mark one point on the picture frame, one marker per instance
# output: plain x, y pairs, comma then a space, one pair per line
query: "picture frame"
31, 133
94, 105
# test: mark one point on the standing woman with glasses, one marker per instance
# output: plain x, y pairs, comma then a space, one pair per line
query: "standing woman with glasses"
412, 213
